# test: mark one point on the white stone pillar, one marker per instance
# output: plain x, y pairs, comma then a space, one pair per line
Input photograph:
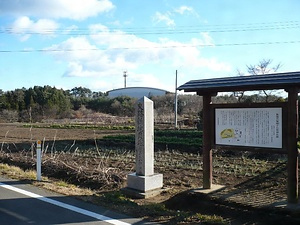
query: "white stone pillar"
144, 137
144, 182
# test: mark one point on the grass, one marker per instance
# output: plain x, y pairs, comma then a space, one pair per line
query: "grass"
212, 219
58, 186
113, 200
16, 172
61, 183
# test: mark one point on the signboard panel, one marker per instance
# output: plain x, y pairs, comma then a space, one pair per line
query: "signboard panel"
253, 127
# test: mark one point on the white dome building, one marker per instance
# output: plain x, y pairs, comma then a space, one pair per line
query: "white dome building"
136, 92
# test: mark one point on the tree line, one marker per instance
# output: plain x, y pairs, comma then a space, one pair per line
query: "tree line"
39, 103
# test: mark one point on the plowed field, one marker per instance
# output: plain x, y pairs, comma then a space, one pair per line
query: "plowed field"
253, 183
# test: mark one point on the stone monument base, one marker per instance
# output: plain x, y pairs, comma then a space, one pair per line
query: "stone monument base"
141, 195
144, 186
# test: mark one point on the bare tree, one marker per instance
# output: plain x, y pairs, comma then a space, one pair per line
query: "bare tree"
264, 66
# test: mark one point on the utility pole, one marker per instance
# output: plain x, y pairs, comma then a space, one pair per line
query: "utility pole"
125, 76
176, 101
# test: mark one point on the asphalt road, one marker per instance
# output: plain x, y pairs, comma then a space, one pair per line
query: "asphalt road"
25, 204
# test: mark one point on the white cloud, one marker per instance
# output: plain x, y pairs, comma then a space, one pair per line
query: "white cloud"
183, 9
167, 18
71, 9
128, 46
145, 80
24, 27
87, 60
105, 54
191, 58
164, 18
186, 10
75, 70
206, 39
74, 49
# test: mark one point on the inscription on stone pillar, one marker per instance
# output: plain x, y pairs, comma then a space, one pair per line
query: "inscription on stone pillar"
144, 137
144, 182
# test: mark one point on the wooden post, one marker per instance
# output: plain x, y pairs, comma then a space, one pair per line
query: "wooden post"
207, 152
38, 161
176, 101
292, 145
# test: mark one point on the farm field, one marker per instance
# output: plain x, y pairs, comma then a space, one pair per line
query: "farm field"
253, 183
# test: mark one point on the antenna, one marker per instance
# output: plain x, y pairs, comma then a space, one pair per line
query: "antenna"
125, 76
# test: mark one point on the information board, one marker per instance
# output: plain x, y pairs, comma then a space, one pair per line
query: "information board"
253, 127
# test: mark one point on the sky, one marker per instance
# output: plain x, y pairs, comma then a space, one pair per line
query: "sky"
90, 43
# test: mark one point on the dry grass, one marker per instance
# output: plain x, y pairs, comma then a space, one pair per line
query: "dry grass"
114, 200
16, 172
54, 185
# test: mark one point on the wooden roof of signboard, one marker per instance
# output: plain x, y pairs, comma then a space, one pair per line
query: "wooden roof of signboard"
243, 83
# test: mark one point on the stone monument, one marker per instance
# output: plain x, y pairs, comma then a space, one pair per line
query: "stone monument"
144, 183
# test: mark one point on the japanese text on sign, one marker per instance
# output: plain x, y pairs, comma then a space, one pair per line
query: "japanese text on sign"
254, 127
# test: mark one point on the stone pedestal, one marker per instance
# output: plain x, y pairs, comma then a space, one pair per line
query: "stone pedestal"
144, 182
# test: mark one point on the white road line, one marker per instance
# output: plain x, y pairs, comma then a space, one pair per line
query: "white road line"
64, 205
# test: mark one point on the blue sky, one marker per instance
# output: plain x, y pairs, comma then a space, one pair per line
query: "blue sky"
89, 43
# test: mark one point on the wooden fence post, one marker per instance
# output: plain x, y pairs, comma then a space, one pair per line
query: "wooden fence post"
292, 145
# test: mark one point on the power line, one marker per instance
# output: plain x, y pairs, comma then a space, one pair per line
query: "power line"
151, 47
160, 30
168, 32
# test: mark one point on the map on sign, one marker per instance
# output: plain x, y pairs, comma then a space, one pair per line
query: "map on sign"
253, 127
